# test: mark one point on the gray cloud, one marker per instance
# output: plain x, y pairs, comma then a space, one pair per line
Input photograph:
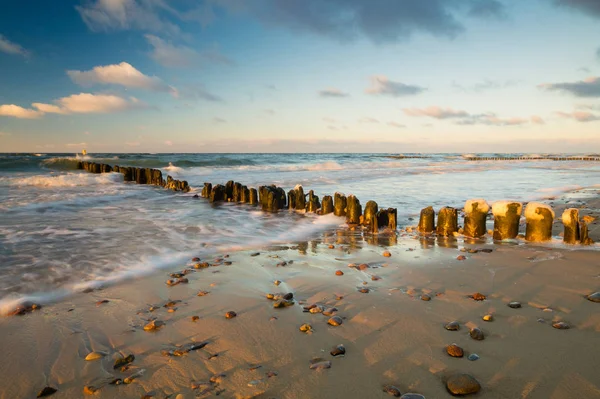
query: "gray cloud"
332, 92
485, 85
589, 87
466, 118
368, 119
6, 46
579, 116
491, 119
196, 91
487, 9
396, 125
589, 7
170, 55
436, 112
218, 120
381, 85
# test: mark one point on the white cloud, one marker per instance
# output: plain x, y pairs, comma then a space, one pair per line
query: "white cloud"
132, 144
367, 119
6, 46
169, 143
170, 55
19, 112
538, 120
76, 145
435, 112
466, 118
579, 116
381, 85
396, 124
123, 74
332, 92
49, 108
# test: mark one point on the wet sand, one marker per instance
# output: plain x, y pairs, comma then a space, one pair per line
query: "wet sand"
391, 336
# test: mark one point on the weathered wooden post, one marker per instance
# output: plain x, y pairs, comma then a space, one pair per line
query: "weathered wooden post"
327, 205
353, 210
447, 222
370, 212
206, 190
253, 197
217, 193
339, 204
539, 218
427, 220
392, 214
300, 198
570, 219
237, 192
507, 215
313, 202
245, 195
585, 238
476, 211
291, 199
229, 190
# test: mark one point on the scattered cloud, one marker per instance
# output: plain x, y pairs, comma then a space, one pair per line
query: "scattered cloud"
132, 144
197, 91
76, 145
169, 55
584, 70
589, 107
332, 92
487, 9
19, 112
367, 119
538, 120
8, 47
271, 87
269, 111
486, 85
435, 112
328, 119
491, 119
123, 74
332, 127
396, 125
588, 7
168, 142
219, 120
579, 116
381, 85
589, 87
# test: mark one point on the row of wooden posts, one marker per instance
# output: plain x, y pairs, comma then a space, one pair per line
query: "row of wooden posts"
532, 158
507, 215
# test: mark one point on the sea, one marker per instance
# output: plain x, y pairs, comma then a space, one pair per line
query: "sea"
63, 230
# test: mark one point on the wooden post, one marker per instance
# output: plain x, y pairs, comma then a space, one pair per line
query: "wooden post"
447, 222
507, 215
585, 238
539, 219
353, 210
339, 204
327, 205
217, 193
371, 209
476, 211
206, 190
570, 219
427, 220
253, 196
313, 202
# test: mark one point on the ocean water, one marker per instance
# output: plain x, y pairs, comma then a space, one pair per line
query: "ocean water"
63, 230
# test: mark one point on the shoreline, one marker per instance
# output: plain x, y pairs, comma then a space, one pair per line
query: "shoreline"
391, 336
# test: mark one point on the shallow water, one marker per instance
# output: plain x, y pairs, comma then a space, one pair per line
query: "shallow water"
63, 229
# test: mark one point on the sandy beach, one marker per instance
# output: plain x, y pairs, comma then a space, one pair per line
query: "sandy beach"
391, 335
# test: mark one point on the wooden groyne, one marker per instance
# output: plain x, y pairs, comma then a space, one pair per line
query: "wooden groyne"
532, 158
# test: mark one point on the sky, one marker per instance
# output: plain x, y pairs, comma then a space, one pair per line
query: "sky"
300, 76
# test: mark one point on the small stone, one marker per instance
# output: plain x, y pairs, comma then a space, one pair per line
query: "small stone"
363, 266
339, 273
331, 246
392, 390
375, 278
316, 309
47, 391
595, 297
230, 315
338, 297
133, 376
102, 302
196, 259
116, 381
488, 317
425, 297
282, 303
95, 356
473, 356
486, 250
561, 325
476, 334
255, 254
452, 326
202, 265
472, 251
277, 282
462, 384
329, 312
461, 257
172, 310
364, 290
319, 364
387, 254
514, 305
123, 361
170, 304
288, 296
89, 390
412, 396
195, 318
306, 328
335, 321
455, 350
339, 350
477, 297
271, 374
270, 296
154, 325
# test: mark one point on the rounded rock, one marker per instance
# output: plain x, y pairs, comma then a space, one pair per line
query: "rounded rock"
488, 317
154, 325
561, 325
230, 315
387, 254
462, 384
95, 356
452, 326
425, 297
461, 257
455, 350
335, 321
473, 356
476, 334
412, 396
478, 297
392, 390
306, 328
339, 273
595, 297
514, 305
339, 350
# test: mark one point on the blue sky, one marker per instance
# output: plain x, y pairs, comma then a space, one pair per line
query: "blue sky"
292, 75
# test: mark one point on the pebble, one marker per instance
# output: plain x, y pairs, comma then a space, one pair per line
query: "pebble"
102, 302
461, 257
473, 356
488, 317
392, 390
202, 265
133, 376
375, 277
47, 391
196, 259
363, 266
477, 296
561, 325
364, 290
195, 318
306, 328
277, 282
271, 374
283, 303
595, 297
514, 305
335, 321
339, 350
387, 254
452, 326
95, 356
462, 384
230, 315
123, 361
154, 325
425, 297
331, 246
339, 273
316, 309
476, 334
255, 254
412, 396
319, 364
329, 311
455, 350
89, 390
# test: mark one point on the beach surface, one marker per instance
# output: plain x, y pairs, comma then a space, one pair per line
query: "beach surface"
391, 335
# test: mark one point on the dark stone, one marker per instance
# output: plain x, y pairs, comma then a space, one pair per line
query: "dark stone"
514, 305
335, 321
561, 325
123, 361
476, 334
452, 326
339, 350
47, 391
230, 315
339, 204
327, 205
595, 297
462, 384
473, 356
455, 350
392, 390
426, 297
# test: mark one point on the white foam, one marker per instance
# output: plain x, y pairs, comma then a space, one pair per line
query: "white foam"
500, 208
172, 168
531, 211
482, 205
67, 180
